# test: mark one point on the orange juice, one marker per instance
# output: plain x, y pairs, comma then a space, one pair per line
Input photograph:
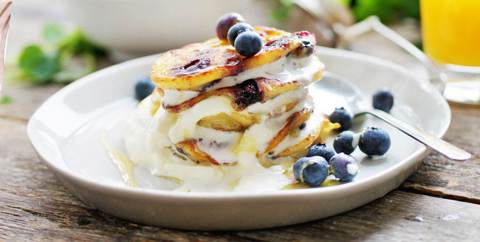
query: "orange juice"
451, 31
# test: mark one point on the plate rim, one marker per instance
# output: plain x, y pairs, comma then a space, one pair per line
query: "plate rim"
152, 193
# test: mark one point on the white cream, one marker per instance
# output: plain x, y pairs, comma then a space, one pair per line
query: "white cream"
264, 131
218, 144
278, 103
311, 126
146, 147
285, 69
150, 141
184, 127
173, 97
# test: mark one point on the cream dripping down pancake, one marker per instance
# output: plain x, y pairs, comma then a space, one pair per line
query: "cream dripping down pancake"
222, 122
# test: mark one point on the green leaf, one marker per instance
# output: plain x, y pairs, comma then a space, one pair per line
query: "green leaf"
75, 67
53, 33
64, 59
6, 100
77, 43
281, 13
345, 2
38, 66
387, 10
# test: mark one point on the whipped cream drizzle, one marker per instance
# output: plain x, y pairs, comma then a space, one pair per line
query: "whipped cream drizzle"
284, 69
150, 140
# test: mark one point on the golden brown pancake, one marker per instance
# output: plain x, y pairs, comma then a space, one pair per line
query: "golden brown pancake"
197, 65
242, 95
190, 148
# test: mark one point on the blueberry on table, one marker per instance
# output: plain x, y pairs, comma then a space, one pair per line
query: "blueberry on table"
345, 142
311, 170
374, 141
226, 22
248, 43
343, 117
383, 100
344, 167
143, 88
237, 29
321, 150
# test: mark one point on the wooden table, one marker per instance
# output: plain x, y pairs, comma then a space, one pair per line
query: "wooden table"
439, 202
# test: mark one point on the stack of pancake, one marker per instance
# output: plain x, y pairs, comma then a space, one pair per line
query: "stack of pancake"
211, 104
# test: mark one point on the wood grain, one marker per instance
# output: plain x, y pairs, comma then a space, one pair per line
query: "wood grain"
35, 206
25, 100
439, 176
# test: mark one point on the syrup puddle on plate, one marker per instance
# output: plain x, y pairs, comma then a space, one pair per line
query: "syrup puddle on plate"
96, 150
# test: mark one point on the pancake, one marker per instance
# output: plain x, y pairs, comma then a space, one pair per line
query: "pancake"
228, 122
191, 149
229, 116
299, 148
242, 95
197, 65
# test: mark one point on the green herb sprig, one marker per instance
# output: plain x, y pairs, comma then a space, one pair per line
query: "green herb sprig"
282, 11
4, 100
64, 58
387, 10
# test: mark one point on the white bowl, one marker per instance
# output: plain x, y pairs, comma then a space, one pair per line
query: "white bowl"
66, 132
136, 27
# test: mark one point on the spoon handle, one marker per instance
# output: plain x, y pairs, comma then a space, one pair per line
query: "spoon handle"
443, 147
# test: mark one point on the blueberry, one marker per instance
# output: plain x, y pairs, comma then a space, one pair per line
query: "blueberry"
311, 170
237, 29
226, 22
383, 100
248, 43
344, 167
321, 150
345, 142
343, 117
374, 141
143, 88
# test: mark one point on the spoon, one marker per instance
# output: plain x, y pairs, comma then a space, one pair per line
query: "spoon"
344, 93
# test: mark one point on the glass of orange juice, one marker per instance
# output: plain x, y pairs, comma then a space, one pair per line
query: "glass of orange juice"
451, 38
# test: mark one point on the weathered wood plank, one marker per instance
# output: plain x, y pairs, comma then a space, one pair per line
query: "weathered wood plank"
25, 100
457, 180
35, 206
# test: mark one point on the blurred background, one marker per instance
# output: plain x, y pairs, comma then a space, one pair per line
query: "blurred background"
58, 41
62, 40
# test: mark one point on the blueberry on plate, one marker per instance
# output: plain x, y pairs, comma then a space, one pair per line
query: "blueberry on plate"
321, 150
344, 167
143, 88
374, 141
248, 43
383, 100
345, 142
226, 22
237, 29
343, 117
311, 170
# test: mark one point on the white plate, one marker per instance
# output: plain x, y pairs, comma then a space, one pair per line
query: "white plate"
66, 132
